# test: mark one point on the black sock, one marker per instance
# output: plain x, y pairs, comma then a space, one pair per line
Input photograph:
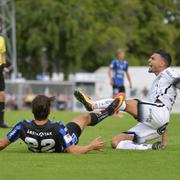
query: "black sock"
96, 118
2, 105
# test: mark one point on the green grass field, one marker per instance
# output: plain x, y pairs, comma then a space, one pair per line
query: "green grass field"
17, 163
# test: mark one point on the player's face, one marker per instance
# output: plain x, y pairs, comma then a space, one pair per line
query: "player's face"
156, 64
121, 55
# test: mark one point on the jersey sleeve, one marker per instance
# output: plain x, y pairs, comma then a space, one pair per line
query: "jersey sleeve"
14, 134
67, 138
112, 65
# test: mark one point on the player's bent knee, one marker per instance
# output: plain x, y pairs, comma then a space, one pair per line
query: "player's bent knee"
114, 142
122, 137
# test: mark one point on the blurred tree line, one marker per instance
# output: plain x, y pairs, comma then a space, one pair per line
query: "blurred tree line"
71, 35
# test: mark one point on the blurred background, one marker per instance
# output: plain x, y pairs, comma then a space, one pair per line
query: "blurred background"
55, 46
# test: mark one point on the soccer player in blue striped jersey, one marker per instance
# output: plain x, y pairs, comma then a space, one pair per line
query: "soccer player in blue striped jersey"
43, 135
117, 69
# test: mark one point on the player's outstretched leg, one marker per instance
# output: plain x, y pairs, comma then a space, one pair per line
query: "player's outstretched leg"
100, 104
94, 118
77, 125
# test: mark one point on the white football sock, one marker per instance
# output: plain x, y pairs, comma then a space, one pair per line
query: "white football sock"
104, 103
130, 145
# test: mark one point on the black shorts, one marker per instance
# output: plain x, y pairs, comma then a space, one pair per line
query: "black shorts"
73, 128
2, 83
118, 89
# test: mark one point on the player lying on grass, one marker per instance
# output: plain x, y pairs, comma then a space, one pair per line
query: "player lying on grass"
152, 116
42, 135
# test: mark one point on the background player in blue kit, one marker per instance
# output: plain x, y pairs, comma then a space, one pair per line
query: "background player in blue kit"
42, 135
117, 69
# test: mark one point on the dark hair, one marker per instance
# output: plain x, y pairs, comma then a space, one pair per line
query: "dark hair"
166, 56
41, 106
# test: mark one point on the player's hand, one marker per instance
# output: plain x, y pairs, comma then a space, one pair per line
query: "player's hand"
163, 145
158, 145
6, 70
98, 144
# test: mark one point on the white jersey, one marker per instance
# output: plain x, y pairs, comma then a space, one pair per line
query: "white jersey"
163, 90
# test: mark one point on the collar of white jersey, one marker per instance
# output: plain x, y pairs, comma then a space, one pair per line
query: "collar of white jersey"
167, 73
164, 71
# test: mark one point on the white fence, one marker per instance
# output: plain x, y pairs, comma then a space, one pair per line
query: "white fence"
96, 85
20, 94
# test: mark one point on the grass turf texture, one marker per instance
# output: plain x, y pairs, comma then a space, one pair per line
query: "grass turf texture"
17, 163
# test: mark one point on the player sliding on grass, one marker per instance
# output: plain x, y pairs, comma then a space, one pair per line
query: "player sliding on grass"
42, 135
152, 116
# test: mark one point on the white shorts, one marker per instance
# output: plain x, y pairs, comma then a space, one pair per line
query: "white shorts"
153, 120
154, 115
142, 133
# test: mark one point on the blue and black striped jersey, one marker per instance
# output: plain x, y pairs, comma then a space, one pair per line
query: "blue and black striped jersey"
119, 68
50, 137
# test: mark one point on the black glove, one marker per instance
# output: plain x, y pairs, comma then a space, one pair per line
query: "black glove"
157, 145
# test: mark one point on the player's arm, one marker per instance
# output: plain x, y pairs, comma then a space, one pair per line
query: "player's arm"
3, 55
12, 136
96, 144
164, 138
3, 58
129, 79
128, 75
5, 68
163, 143
4, 142
110, 75
110, 72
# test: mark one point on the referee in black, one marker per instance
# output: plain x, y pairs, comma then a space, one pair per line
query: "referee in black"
2, 83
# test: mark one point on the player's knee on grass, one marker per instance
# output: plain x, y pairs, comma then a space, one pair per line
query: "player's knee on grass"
114, 142
117, 139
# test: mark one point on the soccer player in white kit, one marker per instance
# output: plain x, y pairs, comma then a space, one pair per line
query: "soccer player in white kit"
153, 115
